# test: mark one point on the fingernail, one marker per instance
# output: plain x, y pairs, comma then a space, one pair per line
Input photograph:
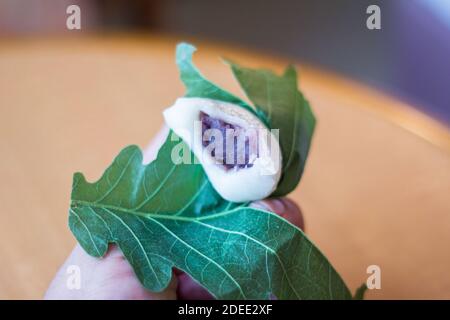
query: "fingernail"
277, 205
260, 205
273, 205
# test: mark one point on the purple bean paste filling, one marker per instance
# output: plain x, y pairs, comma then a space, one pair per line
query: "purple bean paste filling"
242, 151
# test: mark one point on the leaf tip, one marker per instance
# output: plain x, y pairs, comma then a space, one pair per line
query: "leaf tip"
77, 178
359, 294
290, 70
228, 62
130, 152
184, 51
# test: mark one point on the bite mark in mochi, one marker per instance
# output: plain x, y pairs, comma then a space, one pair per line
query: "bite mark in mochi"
244, 152
246, 163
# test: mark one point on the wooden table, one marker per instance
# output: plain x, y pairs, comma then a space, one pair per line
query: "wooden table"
376, 188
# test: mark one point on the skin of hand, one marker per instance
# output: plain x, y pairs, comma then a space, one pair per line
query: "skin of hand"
112, 277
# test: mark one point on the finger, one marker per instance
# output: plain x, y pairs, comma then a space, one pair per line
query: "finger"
110, 278
121, 278
189, 289
152, 148
285, 208
120, 281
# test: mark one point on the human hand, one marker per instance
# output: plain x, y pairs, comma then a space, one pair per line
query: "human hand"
112, 277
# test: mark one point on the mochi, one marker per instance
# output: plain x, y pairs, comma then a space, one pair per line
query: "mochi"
240, 155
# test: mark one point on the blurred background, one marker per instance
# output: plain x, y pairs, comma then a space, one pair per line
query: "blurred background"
376, 186
408, 57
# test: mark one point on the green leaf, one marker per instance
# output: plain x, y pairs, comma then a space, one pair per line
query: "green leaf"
165, 215
283, 106
195, 82
359, 294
